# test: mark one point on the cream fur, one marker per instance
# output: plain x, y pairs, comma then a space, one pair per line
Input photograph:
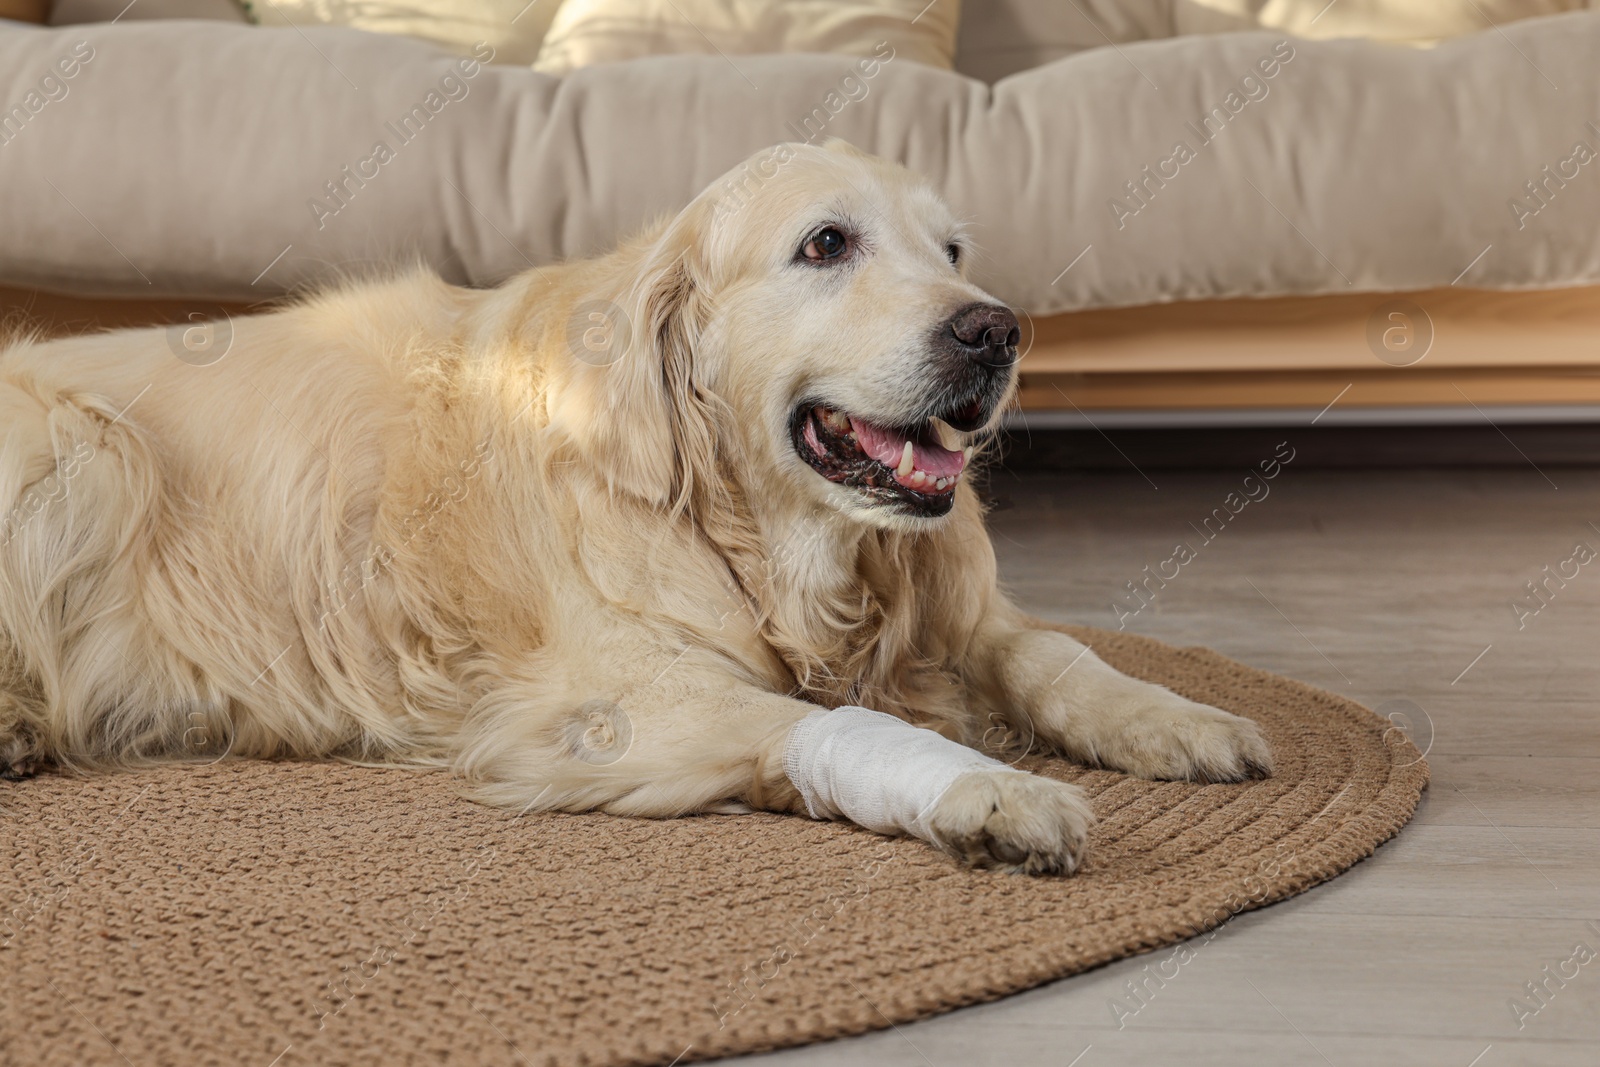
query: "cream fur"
402, 521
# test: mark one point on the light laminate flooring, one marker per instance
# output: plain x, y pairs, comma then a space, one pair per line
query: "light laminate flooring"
1393, 587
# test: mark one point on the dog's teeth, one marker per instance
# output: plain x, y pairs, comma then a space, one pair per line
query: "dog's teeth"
905, 460
968, 453
941, 483
918, 479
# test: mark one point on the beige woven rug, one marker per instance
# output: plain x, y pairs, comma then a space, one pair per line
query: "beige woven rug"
288, 914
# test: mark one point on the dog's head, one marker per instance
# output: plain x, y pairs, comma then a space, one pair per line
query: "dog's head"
811, 311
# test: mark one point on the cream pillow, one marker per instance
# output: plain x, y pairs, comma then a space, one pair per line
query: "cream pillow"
603, 31
513, 28
1411, 22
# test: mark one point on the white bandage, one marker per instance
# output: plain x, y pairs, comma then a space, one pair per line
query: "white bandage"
875, 770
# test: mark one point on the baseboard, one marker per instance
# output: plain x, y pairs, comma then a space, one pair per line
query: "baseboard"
1329, 415
1533, 446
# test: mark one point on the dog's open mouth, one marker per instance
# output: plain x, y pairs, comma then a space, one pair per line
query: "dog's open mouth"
906, 467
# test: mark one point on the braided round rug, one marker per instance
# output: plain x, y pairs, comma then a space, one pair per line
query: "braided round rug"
279, 914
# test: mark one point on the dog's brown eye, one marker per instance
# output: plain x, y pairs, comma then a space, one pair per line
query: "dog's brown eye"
954, 253
824, 244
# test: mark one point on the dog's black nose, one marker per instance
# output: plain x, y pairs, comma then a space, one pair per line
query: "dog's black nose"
988, 332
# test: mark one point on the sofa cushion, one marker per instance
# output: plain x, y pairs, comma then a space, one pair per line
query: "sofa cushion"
213, 160
586, 32
1003, 37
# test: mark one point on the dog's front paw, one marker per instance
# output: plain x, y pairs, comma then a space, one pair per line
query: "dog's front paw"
1178, 739
21, 755
1013, 822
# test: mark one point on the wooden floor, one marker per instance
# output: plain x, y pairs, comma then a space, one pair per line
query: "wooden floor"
1386, 586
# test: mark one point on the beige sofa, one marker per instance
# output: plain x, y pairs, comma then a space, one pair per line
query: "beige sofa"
1346, 227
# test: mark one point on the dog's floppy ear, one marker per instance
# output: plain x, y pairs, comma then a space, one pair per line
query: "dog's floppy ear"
642, 417
842, 147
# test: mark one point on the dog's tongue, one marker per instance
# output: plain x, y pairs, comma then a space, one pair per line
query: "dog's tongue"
888, 447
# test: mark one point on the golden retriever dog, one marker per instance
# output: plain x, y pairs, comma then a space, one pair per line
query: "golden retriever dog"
611, 536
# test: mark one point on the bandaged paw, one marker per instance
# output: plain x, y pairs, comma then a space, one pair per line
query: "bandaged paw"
875, 770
